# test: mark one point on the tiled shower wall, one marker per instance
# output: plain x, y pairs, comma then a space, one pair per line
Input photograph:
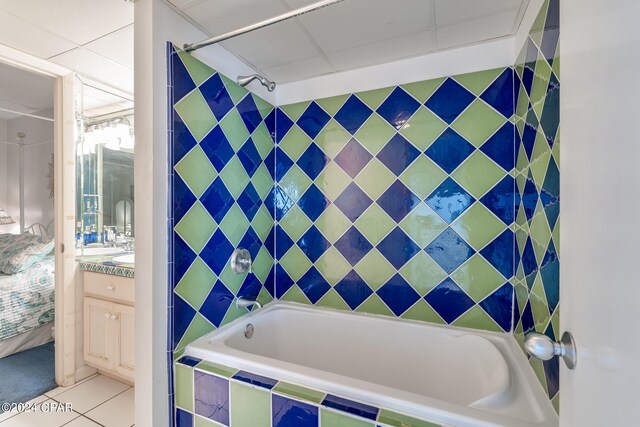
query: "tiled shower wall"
400, 201
537, 88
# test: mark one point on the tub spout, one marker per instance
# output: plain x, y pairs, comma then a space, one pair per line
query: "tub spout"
242, 302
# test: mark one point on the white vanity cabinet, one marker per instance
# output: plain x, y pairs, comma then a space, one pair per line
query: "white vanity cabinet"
109, 322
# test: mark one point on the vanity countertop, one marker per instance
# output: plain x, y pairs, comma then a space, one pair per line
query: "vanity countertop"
104, 264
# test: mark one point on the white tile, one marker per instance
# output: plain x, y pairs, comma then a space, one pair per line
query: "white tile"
82, 421
118, 47
58, 390
455, 11
7, 415
476, 30
41, 418
92, 393
117, 412
27, 37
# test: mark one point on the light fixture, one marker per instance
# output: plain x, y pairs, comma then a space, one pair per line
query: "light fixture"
5, 218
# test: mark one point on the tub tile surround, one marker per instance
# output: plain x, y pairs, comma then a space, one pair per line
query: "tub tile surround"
249, 400
537, 287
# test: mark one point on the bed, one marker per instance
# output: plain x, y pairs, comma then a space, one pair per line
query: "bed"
26, 296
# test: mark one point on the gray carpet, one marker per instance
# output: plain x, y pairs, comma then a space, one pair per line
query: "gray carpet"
27, 374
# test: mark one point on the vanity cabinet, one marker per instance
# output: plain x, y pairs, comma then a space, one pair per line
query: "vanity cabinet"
109, 324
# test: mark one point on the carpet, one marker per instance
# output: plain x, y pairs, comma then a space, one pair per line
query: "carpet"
28, 374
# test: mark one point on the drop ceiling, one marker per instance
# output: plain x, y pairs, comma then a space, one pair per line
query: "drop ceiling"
351, 34
24, 92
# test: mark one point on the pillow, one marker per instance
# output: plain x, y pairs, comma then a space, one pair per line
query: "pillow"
20, 251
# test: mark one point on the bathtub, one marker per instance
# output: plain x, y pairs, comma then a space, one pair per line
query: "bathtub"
453, 376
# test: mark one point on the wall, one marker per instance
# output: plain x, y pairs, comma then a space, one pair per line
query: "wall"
3, 168
537, 88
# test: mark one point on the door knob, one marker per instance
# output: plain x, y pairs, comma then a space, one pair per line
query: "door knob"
544, 348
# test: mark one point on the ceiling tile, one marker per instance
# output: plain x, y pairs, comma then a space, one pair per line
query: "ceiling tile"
455, 11
476, 30
22, 35
304, 68
117, 47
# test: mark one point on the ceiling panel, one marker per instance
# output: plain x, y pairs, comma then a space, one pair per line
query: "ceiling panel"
117, 47
456, 11
26, 37
313, 66
475, 30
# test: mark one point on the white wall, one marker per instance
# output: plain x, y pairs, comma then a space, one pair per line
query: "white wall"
3, 167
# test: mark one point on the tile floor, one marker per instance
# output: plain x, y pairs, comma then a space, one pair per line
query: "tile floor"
96, 401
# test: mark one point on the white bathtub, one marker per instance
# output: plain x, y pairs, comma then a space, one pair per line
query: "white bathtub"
454, 376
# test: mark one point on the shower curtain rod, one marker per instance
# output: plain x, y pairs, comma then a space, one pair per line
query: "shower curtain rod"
267, 22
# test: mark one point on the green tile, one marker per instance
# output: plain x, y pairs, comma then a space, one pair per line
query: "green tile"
537, 29
262, 223
204, 422
234, 224
538, 369
556, 400
295, 223
477, 277
264, 108
294, 111
332, 181
374, 305
196, 227
332, 300
375, 178
399, 420
478, 122
184, 387
295, 183
233, 312
299, 392
424, 89
196, 114
295, 263
555, 321
198, 70
330, 418
235, 177
423, 176
295, 294
540, 159
262, 264
477, 318
332, 223
539, 305
478, 174
478, 81
196, 283
332, 138
423, 225
264, 297
295, 143
214, 368
540, 85
250, 406
262, 139
523, 103
522, 295
196, 171
540, 233
236, 92
262, 181
373, 98
233, 281
423, 128
332, 104
374, 224
234, 129
478, 226
375, 133
199, 326
423, 273
423, 312
374, 269
332, 266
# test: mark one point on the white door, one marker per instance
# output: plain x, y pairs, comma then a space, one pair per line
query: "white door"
600, 210
125, 360
98, 332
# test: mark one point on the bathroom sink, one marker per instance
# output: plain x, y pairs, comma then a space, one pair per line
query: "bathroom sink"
98, 251
126, 259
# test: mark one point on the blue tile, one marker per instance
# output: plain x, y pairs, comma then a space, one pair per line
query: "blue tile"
183, 257
516, 311
531, 55
529, 133
270, 163
217, 200
249, 113
449, 200
449, 300
217, 252
292, 413
499, 305
283, 163
499, 94
283, 281
529, 263
270, 241
283, 242
551, 31
353, 158
282, 125
398, 154
270, 283
182, 140
398, 294
501, 200
313, 284
530, 197
449, 100
552, 375
251, 242
183, 314
189, 361
353, 245
282, 203
249, 201
249, 157
353, 290
500, 253
313, 202
353, 202
449, 250
270, 202
181, 80
354, 408
500, 147
313, 120
211, 397
270, 122
398, 108
217, 148
183, 418
552, 211
183, 198
255, 379
313, 243
550, 274
527, 77
217, 303
216, 96
550, 119
449, 150
528, 324
398, 201
551, 183
313, 161
398, 248
353, 114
